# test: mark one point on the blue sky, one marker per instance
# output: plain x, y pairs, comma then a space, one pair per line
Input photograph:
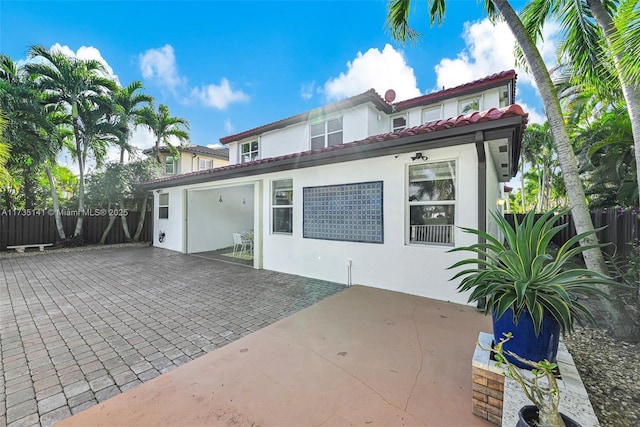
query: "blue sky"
231, 66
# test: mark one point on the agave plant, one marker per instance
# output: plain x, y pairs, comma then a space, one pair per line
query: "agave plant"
524, 274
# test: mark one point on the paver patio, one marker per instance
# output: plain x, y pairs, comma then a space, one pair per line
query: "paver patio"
80, 327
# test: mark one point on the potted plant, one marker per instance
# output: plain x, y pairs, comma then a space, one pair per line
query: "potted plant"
529, 290
540, 387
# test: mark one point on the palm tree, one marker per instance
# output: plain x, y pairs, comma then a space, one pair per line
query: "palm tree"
610, 65
72, 84
29, 129
129, 112
607, 158
4, 153
538, 148
397, 20
164, 127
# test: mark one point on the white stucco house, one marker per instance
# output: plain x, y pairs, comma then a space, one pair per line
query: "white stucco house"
362, 191
190, 158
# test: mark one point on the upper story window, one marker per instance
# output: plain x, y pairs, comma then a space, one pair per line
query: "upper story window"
327, 133
249, 151
398, 122
431, 114
169, 165
205, 164
432, 202
163, 206
469, 105
282, 206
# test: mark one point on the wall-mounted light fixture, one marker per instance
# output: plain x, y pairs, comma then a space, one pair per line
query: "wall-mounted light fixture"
220, 199
244, 201
419, 156
158, 191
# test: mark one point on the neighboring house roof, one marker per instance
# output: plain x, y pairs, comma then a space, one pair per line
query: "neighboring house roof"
507, 122
219, 152
372, 96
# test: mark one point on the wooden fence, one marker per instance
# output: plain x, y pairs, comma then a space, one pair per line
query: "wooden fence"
23, 227
622, 228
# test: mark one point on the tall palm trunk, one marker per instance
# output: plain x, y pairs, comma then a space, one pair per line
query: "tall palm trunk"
105, 233
566, 156
143, 214
630, 89
618, 316
123, 218
78, 230
56, 204
524, 208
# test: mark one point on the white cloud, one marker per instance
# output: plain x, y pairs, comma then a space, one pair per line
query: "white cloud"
159, 65
375, 69
534, 115
306, 90
490, 49
228, 126
86, 53
142, 138
219, 96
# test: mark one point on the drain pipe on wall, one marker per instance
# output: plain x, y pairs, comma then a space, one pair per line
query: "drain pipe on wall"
349, 264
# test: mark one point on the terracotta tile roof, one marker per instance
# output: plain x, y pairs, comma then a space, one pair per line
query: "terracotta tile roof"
484, 83
373, 97
491, 115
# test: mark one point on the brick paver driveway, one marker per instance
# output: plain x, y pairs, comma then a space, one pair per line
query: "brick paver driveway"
80, 327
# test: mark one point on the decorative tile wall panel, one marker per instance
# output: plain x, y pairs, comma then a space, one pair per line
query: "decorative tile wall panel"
348, 212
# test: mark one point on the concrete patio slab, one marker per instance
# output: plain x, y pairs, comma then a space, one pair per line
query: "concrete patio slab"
361, 357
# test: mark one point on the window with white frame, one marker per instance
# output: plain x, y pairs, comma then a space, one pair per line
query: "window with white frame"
326, 133
431, 114
249, 151
469, 105
432, 202
398, 122
282, 206
169, 165
204, 164
163, 206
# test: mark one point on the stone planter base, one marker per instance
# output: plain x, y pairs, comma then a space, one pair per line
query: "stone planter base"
498, 399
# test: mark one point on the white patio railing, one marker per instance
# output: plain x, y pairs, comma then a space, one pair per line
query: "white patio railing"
441, 233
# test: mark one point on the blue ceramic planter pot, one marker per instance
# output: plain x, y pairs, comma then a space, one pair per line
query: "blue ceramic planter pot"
525, 343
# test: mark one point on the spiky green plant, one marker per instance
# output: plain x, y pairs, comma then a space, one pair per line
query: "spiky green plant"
523, 274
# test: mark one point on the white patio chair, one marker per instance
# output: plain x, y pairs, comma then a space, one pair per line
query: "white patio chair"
237, 243
242, 242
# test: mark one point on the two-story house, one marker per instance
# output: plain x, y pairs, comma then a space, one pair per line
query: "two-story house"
191, 158
362, 191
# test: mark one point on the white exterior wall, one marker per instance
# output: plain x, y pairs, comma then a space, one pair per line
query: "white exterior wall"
292, 139
494, 193
172, 226
378, 122
414, 269
355, 123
